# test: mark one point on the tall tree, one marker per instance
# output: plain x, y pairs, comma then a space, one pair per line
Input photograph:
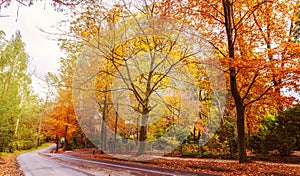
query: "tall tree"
145, 57
61, 118
256, 54
17, 100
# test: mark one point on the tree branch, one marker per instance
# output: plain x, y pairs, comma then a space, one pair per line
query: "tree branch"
248, 14
251, 84
258, 98
68, 3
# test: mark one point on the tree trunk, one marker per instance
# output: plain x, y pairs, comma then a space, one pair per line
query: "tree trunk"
56, 140
143, 132
227, 5
240, 110
85, 142
116, 131
241, 133
200, 148
103, 125
37, 142
194, 136
137, 132
65, 136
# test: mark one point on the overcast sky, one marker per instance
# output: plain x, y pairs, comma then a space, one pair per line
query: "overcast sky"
44, 53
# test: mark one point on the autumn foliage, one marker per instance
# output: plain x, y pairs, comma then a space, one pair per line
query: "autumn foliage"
253, 40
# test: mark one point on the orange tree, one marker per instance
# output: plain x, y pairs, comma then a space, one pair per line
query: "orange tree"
253, 42
61, 120
142, 79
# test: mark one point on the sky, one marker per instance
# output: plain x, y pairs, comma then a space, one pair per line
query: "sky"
42, 49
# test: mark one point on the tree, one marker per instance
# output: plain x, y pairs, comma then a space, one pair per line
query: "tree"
56, 3
144, 58
48, 94
19, 107
256, 76
61, 118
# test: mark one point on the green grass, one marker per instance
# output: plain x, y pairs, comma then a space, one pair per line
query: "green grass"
3, 155
40, 147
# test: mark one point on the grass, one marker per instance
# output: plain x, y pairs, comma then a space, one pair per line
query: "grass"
10, 166
5, 155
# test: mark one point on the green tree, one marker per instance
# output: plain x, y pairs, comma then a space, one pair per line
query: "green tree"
17, 101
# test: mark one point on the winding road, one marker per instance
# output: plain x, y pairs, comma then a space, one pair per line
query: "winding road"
35, 164
42, 163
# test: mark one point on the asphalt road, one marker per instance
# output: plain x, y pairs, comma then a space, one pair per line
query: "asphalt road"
38, 164
34, 164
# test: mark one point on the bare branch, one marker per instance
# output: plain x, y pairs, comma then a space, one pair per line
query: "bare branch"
217, 48
248, 14
258, 98
208, 15
68, 3
251, 84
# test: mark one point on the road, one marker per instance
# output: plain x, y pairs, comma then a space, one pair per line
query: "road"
34, 164
41, 162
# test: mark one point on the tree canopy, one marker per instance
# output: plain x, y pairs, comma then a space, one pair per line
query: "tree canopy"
19, 106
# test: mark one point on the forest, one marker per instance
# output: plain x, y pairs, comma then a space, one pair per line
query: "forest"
204, 79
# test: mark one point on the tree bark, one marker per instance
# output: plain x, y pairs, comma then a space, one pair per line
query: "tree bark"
194, 136
240, 110
143, 132
37, 142
116, 131
103, 125
56, 140
227, 5
65, 136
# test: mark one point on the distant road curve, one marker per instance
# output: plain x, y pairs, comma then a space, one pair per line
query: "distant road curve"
34, 164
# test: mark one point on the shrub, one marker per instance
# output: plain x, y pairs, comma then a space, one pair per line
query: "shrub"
189, 149
224, 141
281, 133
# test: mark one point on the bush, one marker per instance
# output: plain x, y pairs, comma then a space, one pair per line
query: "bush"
257, 145
71, 145
189, 150
28, 145
224, 141
164, 141
281, 133
21, 145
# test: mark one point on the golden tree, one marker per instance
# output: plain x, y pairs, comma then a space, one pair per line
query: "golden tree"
252, 39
